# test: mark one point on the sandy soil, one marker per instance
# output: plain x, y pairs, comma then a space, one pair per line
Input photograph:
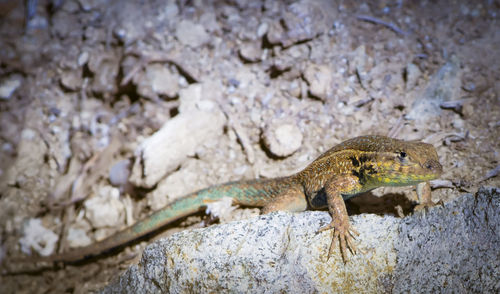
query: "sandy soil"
84, 83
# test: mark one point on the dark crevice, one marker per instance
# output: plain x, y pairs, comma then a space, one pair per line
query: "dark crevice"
275, 72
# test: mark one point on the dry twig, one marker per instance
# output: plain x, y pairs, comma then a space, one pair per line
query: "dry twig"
389, 25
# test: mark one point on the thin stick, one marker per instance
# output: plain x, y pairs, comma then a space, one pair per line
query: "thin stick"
390, 25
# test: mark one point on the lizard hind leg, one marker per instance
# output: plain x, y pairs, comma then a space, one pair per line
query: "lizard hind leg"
290, 200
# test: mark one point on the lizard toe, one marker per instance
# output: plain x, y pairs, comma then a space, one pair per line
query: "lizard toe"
345, 235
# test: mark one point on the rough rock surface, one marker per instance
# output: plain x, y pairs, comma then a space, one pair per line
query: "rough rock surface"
270, 253
281, 252
451, 249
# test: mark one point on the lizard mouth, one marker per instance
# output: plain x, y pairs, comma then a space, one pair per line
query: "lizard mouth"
433, 166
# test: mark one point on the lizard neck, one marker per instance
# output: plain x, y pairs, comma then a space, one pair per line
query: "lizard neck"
361, 164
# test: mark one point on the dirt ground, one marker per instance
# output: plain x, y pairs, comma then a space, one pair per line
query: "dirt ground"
83, 83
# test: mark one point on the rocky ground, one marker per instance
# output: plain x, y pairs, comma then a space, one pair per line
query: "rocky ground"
110, 109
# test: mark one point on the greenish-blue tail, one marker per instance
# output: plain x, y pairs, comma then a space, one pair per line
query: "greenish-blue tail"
250, 193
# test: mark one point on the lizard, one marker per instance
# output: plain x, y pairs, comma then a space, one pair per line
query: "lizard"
352, 167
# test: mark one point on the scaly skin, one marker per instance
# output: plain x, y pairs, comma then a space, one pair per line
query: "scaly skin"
352, 167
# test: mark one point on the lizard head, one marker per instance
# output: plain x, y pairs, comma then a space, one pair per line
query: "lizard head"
383, 161
408, 163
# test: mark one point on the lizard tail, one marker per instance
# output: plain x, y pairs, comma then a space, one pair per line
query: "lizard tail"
251, 193
176, 210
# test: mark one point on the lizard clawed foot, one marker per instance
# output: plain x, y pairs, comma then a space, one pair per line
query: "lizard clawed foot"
424, 207
346, 235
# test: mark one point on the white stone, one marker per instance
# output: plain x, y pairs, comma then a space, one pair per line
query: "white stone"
9, 85
77, 238
262, 29
221, 209
105, 210
283, 139
179, 138
38, 238
119, 173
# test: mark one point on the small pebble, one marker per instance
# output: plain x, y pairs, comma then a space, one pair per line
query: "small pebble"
191, 34
119, 173
413, 73
283, 140
9, 85
320, 79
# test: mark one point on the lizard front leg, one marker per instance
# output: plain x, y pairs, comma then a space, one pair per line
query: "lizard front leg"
424, 196
343, 230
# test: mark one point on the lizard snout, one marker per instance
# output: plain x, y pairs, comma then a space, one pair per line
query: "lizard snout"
434, 166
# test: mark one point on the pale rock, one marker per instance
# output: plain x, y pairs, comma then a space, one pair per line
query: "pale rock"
377, 74
104, 80
191, 34
72, 79
359, 61
283, 139
171, 10
283, 252
119, 173
458, 123
240, 170
221, 209
320, 80
294, 88
445, 85
209, 21
189, 97
276, 253
30, 158
83, 58
413, 73
28, 134
262, 29
212, 89
179, 138
38, 238
105, 67
105, 210
77, 238
157, 80
276, 33
9, 85
247, 79
250, 51
302, 20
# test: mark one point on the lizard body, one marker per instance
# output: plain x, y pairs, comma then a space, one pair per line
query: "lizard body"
352, 167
